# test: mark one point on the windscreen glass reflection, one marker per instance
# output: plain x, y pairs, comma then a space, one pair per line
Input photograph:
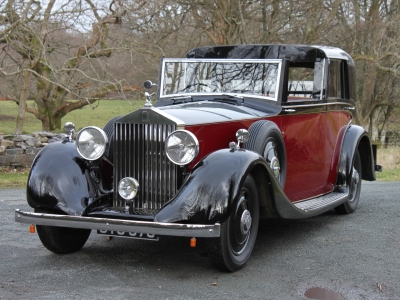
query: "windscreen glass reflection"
188, 77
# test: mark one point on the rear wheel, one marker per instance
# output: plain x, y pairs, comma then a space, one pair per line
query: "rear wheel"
61, 240
354, 187
232, 249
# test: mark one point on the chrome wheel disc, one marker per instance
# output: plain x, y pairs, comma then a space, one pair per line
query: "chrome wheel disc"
355, 179
271, 156
241, 226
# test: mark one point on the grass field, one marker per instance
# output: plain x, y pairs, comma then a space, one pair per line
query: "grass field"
80, 117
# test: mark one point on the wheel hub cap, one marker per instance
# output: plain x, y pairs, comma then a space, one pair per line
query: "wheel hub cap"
245, 222
355, 179
275, 167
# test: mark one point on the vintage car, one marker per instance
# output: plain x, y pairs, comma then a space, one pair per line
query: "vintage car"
237, 133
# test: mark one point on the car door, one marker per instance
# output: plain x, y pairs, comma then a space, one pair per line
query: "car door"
304, 129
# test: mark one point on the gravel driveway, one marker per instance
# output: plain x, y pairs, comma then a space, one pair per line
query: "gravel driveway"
346, 257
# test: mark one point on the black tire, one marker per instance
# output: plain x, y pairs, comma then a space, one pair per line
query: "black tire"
354, 187
109, 130
266, 139
61, 240
232, 249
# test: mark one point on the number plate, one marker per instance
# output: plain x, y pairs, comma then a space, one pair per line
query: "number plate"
132, 235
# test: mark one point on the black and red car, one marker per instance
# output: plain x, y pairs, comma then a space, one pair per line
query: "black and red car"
237, 133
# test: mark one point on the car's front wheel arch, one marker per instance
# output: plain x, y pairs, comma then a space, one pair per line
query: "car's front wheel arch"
233, 248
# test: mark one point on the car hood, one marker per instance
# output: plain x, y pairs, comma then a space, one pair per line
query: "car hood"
210, 112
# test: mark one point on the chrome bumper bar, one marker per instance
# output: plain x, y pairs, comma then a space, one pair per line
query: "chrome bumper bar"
173, 229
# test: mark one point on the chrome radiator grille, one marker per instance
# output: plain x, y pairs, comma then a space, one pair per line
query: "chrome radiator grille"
139, 152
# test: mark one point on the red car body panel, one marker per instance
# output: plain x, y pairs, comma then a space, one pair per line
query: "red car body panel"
309, 167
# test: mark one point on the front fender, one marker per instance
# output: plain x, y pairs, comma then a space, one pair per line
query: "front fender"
211, 189
59, 179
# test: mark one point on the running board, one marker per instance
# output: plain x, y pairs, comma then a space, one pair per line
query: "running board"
307, 208
330, 200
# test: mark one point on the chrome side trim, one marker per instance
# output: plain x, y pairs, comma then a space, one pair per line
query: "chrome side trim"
314, 105
189, 230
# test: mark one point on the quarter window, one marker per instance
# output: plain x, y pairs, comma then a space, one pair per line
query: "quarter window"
305, 81
337, 79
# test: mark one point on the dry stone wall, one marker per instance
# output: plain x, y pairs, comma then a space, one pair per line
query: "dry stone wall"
18, 151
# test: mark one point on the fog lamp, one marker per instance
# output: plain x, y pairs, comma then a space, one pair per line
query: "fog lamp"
128, 187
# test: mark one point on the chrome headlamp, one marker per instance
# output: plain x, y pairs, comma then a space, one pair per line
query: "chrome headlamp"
91, 142
181, 147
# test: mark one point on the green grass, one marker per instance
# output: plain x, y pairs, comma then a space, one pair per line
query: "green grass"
85, 116
388, 175
17, 178
13, 178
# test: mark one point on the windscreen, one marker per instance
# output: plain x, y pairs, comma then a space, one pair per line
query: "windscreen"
258, 78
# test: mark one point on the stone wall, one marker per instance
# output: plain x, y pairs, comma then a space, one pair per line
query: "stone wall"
18, 151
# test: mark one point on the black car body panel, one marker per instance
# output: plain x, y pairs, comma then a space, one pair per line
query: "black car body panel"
68, 188
212, 188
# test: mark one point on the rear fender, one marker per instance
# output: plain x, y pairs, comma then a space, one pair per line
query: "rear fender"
355, 138
212, 188
60, 179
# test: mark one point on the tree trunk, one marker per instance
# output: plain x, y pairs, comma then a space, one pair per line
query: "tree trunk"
389, 112
22, 102
374, 132
51, 121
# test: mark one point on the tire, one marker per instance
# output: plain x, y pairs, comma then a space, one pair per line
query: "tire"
354, 187
61, 240
266, 139
109, 130
233, 248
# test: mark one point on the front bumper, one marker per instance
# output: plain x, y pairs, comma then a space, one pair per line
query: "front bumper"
173, 229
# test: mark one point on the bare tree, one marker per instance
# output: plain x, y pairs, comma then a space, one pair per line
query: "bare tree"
62, 57
370, 31
53, 56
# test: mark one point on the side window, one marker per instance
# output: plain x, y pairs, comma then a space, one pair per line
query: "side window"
305, 81
337, 87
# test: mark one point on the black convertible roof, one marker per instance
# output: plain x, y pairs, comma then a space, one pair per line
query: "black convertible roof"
298, 53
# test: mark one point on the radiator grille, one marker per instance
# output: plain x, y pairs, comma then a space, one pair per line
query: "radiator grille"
139, 152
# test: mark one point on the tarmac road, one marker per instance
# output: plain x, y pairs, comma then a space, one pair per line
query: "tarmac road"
352, 257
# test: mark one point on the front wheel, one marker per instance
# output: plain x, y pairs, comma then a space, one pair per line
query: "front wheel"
232, 249
62, 240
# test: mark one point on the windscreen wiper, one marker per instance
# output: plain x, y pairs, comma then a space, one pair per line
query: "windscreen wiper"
182, 99
229, 98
